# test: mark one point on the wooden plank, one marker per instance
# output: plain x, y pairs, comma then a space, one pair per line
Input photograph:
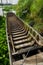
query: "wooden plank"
26, 49
22, 40
12, 43
25, 44
15, 33
14, 28
20, 34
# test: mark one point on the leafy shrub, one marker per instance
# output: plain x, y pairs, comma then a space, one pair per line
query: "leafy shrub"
3, 44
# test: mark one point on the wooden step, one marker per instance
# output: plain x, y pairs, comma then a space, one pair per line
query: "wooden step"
17, 29
20, 34
17, 26
25, 45
23, 50
22, 41
14, 32
20, 38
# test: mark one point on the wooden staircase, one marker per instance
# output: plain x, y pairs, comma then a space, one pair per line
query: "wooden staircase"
22, 39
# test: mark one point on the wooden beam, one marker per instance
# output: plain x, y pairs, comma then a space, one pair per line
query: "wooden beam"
26, 50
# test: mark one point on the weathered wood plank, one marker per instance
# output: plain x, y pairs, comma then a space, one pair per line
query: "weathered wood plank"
25, 45
26, 49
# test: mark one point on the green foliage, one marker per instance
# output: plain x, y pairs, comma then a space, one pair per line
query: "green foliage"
3, 44
36, 6
39, 27
23, 6
31, 10
8, 8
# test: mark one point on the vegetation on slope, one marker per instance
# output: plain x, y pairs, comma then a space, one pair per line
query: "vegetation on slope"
3, 44
31, 11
